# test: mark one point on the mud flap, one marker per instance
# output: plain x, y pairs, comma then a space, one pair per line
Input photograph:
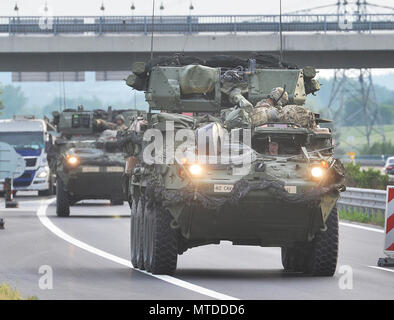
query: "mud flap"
327, 204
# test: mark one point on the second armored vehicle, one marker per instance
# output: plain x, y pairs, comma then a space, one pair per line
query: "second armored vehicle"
87, 158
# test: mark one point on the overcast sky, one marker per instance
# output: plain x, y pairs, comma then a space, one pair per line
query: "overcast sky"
175, 7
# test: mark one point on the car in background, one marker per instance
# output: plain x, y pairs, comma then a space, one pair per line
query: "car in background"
389, 166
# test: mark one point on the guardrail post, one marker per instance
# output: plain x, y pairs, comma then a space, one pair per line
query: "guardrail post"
325, 24
8, 194
189, 22
101, 26
55, 26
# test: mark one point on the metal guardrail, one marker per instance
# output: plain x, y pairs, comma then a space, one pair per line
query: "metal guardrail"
367, 200
196, 24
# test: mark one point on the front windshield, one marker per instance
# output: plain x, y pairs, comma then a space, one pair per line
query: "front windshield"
23, 140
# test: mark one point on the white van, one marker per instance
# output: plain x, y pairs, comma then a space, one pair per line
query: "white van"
30, 138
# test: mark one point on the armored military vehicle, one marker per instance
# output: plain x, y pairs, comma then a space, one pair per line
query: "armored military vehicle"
86, 157
276, 186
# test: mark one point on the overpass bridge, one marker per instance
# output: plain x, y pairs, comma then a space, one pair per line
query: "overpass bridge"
113, 43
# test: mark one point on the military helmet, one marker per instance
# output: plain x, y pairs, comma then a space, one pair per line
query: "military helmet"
119, 117
279, 95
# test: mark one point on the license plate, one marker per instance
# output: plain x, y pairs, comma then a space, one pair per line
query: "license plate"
291, 189
115, 169
90, 169
224, 188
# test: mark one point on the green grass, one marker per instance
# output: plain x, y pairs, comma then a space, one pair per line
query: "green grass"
375, 218
359, 136
8, 293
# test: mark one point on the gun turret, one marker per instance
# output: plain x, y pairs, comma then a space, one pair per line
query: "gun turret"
172, 86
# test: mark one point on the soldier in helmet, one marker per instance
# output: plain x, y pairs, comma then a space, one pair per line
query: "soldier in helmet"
119, 124
278, 98
268, 109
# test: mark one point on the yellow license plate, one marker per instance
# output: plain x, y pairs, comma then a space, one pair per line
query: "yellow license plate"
224, 188
291, 189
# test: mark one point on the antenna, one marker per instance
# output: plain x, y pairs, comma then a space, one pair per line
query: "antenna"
153, 27
280, 32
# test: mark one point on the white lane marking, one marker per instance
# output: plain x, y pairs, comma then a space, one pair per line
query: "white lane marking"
352, 225
380, 268
41, 214
16, 210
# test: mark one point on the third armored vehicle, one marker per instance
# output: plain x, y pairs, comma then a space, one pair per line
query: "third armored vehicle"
272, 182
87, 158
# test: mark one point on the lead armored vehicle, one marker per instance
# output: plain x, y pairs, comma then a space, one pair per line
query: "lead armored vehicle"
87, 158
252, 164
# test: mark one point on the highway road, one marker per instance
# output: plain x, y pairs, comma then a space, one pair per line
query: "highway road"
88, 254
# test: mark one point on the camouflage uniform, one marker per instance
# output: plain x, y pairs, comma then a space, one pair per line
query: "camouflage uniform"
268, 109
105, 125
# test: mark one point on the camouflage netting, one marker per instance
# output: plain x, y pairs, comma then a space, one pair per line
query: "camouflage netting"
157, 195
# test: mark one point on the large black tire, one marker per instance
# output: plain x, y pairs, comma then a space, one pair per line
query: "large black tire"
133, 218
62, 200
136, 233
319, 257
160, 242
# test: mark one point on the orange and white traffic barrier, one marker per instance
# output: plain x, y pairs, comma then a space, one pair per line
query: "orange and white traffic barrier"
389, 231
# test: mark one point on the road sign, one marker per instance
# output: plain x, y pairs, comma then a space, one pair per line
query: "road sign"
352, 155
389, 230
12, 165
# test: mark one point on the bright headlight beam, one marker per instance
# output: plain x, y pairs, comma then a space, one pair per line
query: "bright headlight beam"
195, 169
72, 160
42, 174
317, 172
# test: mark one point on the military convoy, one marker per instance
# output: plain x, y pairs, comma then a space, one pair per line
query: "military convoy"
268, 177
86, 157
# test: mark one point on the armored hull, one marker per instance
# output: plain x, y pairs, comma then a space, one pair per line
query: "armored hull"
279, 188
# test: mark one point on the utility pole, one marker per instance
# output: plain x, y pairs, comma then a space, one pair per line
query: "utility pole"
153, 27
280, 31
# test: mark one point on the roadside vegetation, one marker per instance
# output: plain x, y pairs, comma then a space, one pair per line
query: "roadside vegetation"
8, 293
365, 178
375, 218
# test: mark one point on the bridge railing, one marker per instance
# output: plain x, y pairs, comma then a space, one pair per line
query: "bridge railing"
196, 24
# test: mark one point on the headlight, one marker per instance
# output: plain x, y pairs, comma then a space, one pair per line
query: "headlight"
42, 174
72, 160
195, 169
317, 172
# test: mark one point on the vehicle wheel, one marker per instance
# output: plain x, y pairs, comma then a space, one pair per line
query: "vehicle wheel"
287, 258
133, 215
62, 200
323, 254
136, 233
147, 243
319, 257
140, 234
161, 242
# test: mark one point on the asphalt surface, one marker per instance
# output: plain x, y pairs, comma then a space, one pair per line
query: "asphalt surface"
89, 257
